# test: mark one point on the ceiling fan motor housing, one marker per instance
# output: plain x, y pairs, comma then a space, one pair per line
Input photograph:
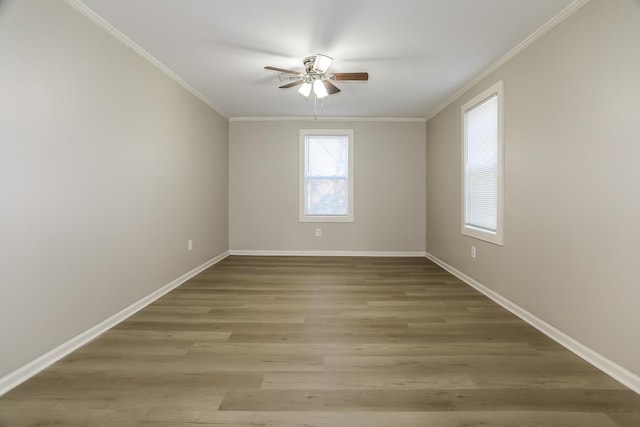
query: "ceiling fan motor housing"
308, 63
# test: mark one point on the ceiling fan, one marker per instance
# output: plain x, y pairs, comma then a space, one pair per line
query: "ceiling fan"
315, 77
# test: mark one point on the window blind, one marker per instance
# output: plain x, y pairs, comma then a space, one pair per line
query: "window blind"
481, 165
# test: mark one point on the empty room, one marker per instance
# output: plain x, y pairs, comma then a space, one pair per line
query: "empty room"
337, 213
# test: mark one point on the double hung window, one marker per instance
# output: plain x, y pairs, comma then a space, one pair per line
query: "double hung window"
482, 211
326, 175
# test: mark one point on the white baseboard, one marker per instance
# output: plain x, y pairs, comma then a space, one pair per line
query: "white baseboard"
609, 367
243, 252
22, 374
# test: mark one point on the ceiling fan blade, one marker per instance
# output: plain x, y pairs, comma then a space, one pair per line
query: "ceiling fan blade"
351, 76
292, 84
281, 70
288, 77
331, 88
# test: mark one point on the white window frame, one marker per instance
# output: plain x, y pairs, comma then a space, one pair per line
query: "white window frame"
302, 178
495, 237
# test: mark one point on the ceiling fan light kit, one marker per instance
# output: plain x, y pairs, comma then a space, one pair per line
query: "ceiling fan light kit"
315, 77
319, 89
305, 89
321, 62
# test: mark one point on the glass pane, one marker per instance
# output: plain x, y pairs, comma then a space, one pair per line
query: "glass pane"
482, 198
327, 156
326, 196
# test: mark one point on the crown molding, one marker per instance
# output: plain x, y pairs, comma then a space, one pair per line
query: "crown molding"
95, 18
564, 14
100, 22
328, 119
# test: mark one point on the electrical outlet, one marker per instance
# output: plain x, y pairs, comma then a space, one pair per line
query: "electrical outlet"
318, 232
190, 245
473, 251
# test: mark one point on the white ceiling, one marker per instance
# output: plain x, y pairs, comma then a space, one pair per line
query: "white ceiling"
418, 52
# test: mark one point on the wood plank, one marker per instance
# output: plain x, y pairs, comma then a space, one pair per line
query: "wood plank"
428, 400
366, 381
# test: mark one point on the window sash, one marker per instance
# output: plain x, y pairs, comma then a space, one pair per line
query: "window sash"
326, 181
481, 165
482, 201
326, 196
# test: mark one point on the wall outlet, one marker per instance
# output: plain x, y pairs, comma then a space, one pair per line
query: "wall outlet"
318, 232
473, 251
190, 245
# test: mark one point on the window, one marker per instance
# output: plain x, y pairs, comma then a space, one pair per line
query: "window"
482, 194
326, 175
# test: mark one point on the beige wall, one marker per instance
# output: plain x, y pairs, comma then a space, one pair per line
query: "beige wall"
389, 188
572, 200
107, 168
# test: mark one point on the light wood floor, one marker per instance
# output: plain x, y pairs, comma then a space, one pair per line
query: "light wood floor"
271, 341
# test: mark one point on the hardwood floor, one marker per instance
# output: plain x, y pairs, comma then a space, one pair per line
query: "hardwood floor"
294, 341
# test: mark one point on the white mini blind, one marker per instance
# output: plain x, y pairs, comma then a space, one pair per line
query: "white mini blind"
481, 165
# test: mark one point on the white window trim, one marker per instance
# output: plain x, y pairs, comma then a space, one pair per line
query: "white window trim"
350, 207
467, 230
